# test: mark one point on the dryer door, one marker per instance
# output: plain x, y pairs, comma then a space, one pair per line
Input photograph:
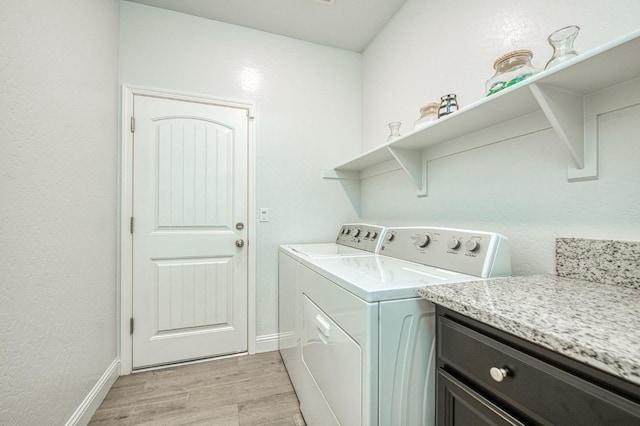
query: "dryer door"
334, 360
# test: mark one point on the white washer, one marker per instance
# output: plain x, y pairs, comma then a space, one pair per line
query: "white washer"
364, 354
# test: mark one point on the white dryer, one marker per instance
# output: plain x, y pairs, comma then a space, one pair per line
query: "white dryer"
365, 351
353, 240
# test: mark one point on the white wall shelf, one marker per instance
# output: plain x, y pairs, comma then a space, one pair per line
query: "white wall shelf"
565, 98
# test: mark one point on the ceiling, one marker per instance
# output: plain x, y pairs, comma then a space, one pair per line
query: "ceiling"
346, 24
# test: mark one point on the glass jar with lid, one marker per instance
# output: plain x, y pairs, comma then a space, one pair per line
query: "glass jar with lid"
428, 114
448, 104
510, 69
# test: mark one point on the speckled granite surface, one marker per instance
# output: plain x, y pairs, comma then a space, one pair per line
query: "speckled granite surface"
601, 261
598, 324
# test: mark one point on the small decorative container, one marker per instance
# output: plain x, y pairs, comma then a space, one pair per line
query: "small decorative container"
428, 114
448, 104
562, 42
511, 69
394, 126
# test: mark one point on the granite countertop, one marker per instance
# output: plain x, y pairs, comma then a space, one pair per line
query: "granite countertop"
597, 324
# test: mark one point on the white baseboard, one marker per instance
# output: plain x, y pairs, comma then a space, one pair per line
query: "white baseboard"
85, 411
267, 342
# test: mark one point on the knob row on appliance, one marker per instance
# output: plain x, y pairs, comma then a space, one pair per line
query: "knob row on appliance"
459, 250
357, 232
361, 236
422, 241
470, 245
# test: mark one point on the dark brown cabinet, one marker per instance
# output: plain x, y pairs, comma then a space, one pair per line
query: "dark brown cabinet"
489, 377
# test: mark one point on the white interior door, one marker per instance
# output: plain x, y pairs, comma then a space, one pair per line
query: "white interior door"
189, 199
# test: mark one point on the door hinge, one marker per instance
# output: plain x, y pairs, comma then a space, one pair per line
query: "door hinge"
131, 225
131, 325
133, 124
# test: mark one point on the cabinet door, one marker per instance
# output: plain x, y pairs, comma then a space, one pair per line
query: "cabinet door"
462, 406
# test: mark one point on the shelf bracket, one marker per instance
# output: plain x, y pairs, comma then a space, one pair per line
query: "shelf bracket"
565, 112
411, 162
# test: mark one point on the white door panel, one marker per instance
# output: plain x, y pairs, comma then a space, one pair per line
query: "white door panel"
195, 186
193, 293
189, 191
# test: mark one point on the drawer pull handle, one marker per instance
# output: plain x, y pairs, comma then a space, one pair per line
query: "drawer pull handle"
498, 374
322, 325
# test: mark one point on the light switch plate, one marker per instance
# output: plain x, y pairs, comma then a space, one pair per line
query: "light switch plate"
264, 214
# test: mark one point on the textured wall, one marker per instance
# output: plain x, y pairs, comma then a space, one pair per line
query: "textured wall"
58, 140
517, 187
308, 117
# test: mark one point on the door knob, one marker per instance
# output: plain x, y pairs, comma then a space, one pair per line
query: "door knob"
239, 243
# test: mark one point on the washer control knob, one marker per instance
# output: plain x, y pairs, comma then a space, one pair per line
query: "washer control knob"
453, 243
471, 245
374, 234
356, 232
423, 240
368, 234
347, 231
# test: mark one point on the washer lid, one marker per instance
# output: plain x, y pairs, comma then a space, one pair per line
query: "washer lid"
378, 278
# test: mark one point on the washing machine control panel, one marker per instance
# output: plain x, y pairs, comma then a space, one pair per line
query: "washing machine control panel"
362, 236
483, 254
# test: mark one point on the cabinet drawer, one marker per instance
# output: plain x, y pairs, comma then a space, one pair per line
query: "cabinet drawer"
533, 390
458, 404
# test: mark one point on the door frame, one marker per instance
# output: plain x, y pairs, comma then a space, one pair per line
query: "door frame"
125, 186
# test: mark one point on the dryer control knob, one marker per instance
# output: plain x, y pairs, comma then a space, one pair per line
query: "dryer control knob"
390, 237
374, 234
367, 234
471, 245
453, 243
423, 241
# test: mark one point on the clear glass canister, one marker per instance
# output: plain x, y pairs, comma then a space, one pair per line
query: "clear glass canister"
394, 127
428, 114
510, 69
562, 42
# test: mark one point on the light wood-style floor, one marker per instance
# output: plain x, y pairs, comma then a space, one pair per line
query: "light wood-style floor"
246, 390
